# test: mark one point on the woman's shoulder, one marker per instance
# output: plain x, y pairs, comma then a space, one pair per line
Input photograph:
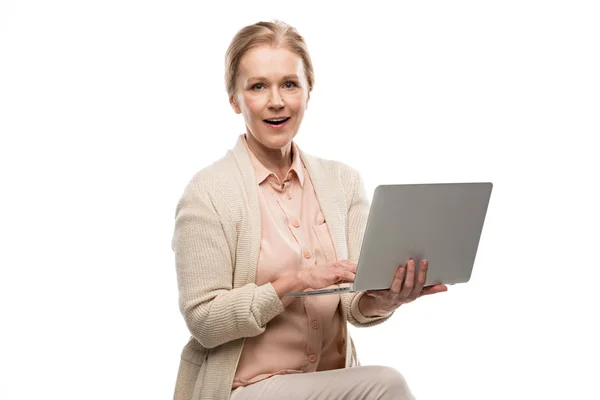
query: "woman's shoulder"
216, 177
215, 170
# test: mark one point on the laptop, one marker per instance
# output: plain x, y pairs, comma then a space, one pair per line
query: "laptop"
440, 222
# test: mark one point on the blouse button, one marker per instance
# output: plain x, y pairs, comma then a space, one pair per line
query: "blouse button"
296, 223
307, 254
315, 325
312, 358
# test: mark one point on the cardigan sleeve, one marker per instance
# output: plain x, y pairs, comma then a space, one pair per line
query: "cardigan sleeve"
358, 213
214, 312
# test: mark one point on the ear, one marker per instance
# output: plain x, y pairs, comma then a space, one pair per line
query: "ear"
234, 105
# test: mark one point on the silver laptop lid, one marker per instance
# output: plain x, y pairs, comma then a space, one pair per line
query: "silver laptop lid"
441, 222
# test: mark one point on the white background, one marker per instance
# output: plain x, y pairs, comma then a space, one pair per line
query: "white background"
108, 108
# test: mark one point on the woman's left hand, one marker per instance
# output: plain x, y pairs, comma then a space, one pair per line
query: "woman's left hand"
405, 288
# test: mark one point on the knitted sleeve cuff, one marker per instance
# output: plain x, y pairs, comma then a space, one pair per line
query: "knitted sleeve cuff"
267, 304
361, 319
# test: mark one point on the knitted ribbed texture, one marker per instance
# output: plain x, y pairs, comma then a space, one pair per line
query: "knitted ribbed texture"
216, 243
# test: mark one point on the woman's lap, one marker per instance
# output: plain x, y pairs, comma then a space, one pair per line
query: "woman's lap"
359, 383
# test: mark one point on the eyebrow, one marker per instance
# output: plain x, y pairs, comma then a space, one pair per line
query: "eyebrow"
262, 78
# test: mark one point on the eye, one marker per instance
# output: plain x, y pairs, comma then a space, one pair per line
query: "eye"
258, 86
290, 85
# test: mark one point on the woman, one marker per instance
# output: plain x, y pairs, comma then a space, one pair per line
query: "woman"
267, 219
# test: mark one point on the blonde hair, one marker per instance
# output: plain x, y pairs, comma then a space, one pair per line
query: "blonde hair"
275, 34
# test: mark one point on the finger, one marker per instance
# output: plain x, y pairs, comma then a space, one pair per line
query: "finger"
350, 265
439, 286
433, 290
348, 276
409, 281
420, 280
397, 282
345, 267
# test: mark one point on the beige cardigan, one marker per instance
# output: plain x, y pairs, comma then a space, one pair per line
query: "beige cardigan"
216, 243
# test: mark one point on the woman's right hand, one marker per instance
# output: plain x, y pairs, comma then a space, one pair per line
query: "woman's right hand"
324, 275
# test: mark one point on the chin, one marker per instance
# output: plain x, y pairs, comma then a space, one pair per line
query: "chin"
276, 140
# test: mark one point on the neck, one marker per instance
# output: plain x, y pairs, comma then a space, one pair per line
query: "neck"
278, 161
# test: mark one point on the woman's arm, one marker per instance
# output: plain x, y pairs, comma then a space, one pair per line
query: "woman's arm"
214, 312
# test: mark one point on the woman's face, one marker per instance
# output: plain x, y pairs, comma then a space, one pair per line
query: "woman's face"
272, 95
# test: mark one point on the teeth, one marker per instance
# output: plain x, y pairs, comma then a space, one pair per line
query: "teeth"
277, 120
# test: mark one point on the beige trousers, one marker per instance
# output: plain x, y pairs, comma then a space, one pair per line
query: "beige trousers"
357, 383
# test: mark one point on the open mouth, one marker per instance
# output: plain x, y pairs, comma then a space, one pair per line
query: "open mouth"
276, 121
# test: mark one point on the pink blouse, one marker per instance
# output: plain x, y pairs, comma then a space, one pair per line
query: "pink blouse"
308, 335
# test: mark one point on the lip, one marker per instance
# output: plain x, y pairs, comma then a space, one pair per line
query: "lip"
277, 127
277, 117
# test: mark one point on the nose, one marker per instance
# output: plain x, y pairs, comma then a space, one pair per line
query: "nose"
275, 100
